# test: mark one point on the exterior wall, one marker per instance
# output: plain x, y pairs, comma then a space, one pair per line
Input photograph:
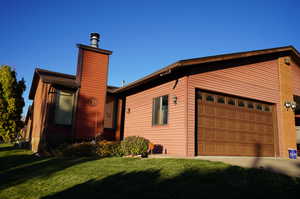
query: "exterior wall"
39, 115
27, 135
288, 130
295, 78
92, 74
42, 126
109, 112
139, 120
257, 81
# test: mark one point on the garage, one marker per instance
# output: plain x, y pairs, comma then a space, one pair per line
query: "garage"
233, 126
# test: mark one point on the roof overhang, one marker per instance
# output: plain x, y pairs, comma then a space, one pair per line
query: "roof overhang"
290, 50
53, 78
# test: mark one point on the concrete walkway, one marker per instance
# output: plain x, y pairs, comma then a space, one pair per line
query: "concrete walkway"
280, 165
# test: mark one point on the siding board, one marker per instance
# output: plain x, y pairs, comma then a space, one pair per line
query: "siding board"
139, 120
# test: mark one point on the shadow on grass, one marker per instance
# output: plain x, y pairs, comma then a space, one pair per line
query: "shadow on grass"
233, 181
12, 161
28, 167
7, 148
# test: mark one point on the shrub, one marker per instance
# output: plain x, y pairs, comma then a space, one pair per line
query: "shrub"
108, 149
79, 150
134, 145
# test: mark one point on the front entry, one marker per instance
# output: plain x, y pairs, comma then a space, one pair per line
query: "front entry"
233, 126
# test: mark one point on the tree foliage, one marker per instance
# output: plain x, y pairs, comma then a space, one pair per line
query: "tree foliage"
11, 103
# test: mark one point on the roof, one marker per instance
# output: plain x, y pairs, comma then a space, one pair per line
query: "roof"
111, 89
210, 59
53, 78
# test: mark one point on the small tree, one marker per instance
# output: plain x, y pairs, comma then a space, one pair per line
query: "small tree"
11, 103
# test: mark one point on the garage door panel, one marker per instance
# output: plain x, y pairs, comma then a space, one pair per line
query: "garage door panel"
220, 135
221, 111
230, 113
242, 128
210, 134
209, 110
232, 124
231, 136
221, 123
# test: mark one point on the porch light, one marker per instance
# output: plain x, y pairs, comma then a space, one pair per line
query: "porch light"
293, 106
287, 104
175, 99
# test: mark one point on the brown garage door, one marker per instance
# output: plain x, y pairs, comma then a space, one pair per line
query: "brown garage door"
232, 126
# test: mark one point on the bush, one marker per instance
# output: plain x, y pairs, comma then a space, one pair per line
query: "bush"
134, 145
79, 150
108, 149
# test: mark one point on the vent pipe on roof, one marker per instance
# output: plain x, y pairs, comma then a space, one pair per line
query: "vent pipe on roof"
123, 83
94, 38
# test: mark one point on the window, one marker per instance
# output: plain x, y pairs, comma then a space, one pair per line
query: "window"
199, 95
64, 108
221, 100
267, 108
259, 107
210, 98
241, 103
250, 105
231, 101
160, 110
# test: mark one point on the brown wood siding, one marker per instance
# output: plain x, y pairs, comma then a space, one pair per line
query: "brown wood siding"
109, 112
39, 114
296, 78
287, 134
92, 73
256, 81
138, 117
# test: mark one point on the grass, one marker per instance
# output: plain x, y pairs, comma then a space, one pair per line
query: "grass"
23, 175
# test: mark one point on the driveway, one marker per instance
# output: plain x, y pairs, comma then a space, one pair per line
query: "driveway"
280, 165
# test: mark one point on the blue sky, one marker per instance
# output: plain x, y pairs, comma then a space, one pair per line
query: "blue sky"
143, 35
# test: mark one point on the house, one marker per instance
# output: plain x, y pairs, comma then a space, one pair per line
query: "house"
240, 104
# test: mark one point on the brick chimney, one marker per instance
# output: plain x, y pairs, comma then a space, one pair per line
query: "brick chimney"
92, 71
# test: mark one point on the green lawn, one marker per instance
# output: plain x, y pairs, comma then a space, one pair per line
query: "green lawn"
23, 175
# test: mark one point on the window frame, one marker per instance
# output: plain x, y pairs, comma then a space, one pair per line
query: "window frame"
218, 101
229, 99
213, 97
56, 107
160, 109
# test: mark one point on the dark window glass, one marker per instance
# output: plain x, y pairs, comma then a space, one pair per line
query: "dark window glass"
250, 105
64, 108
241, 103
231, 101
209, 98
259, 107
160, 110
199, 95
267, 108
221, 100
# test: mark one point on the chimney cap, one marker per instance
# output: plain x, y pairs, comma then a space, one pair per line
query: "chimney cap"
95, 34
94, 38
